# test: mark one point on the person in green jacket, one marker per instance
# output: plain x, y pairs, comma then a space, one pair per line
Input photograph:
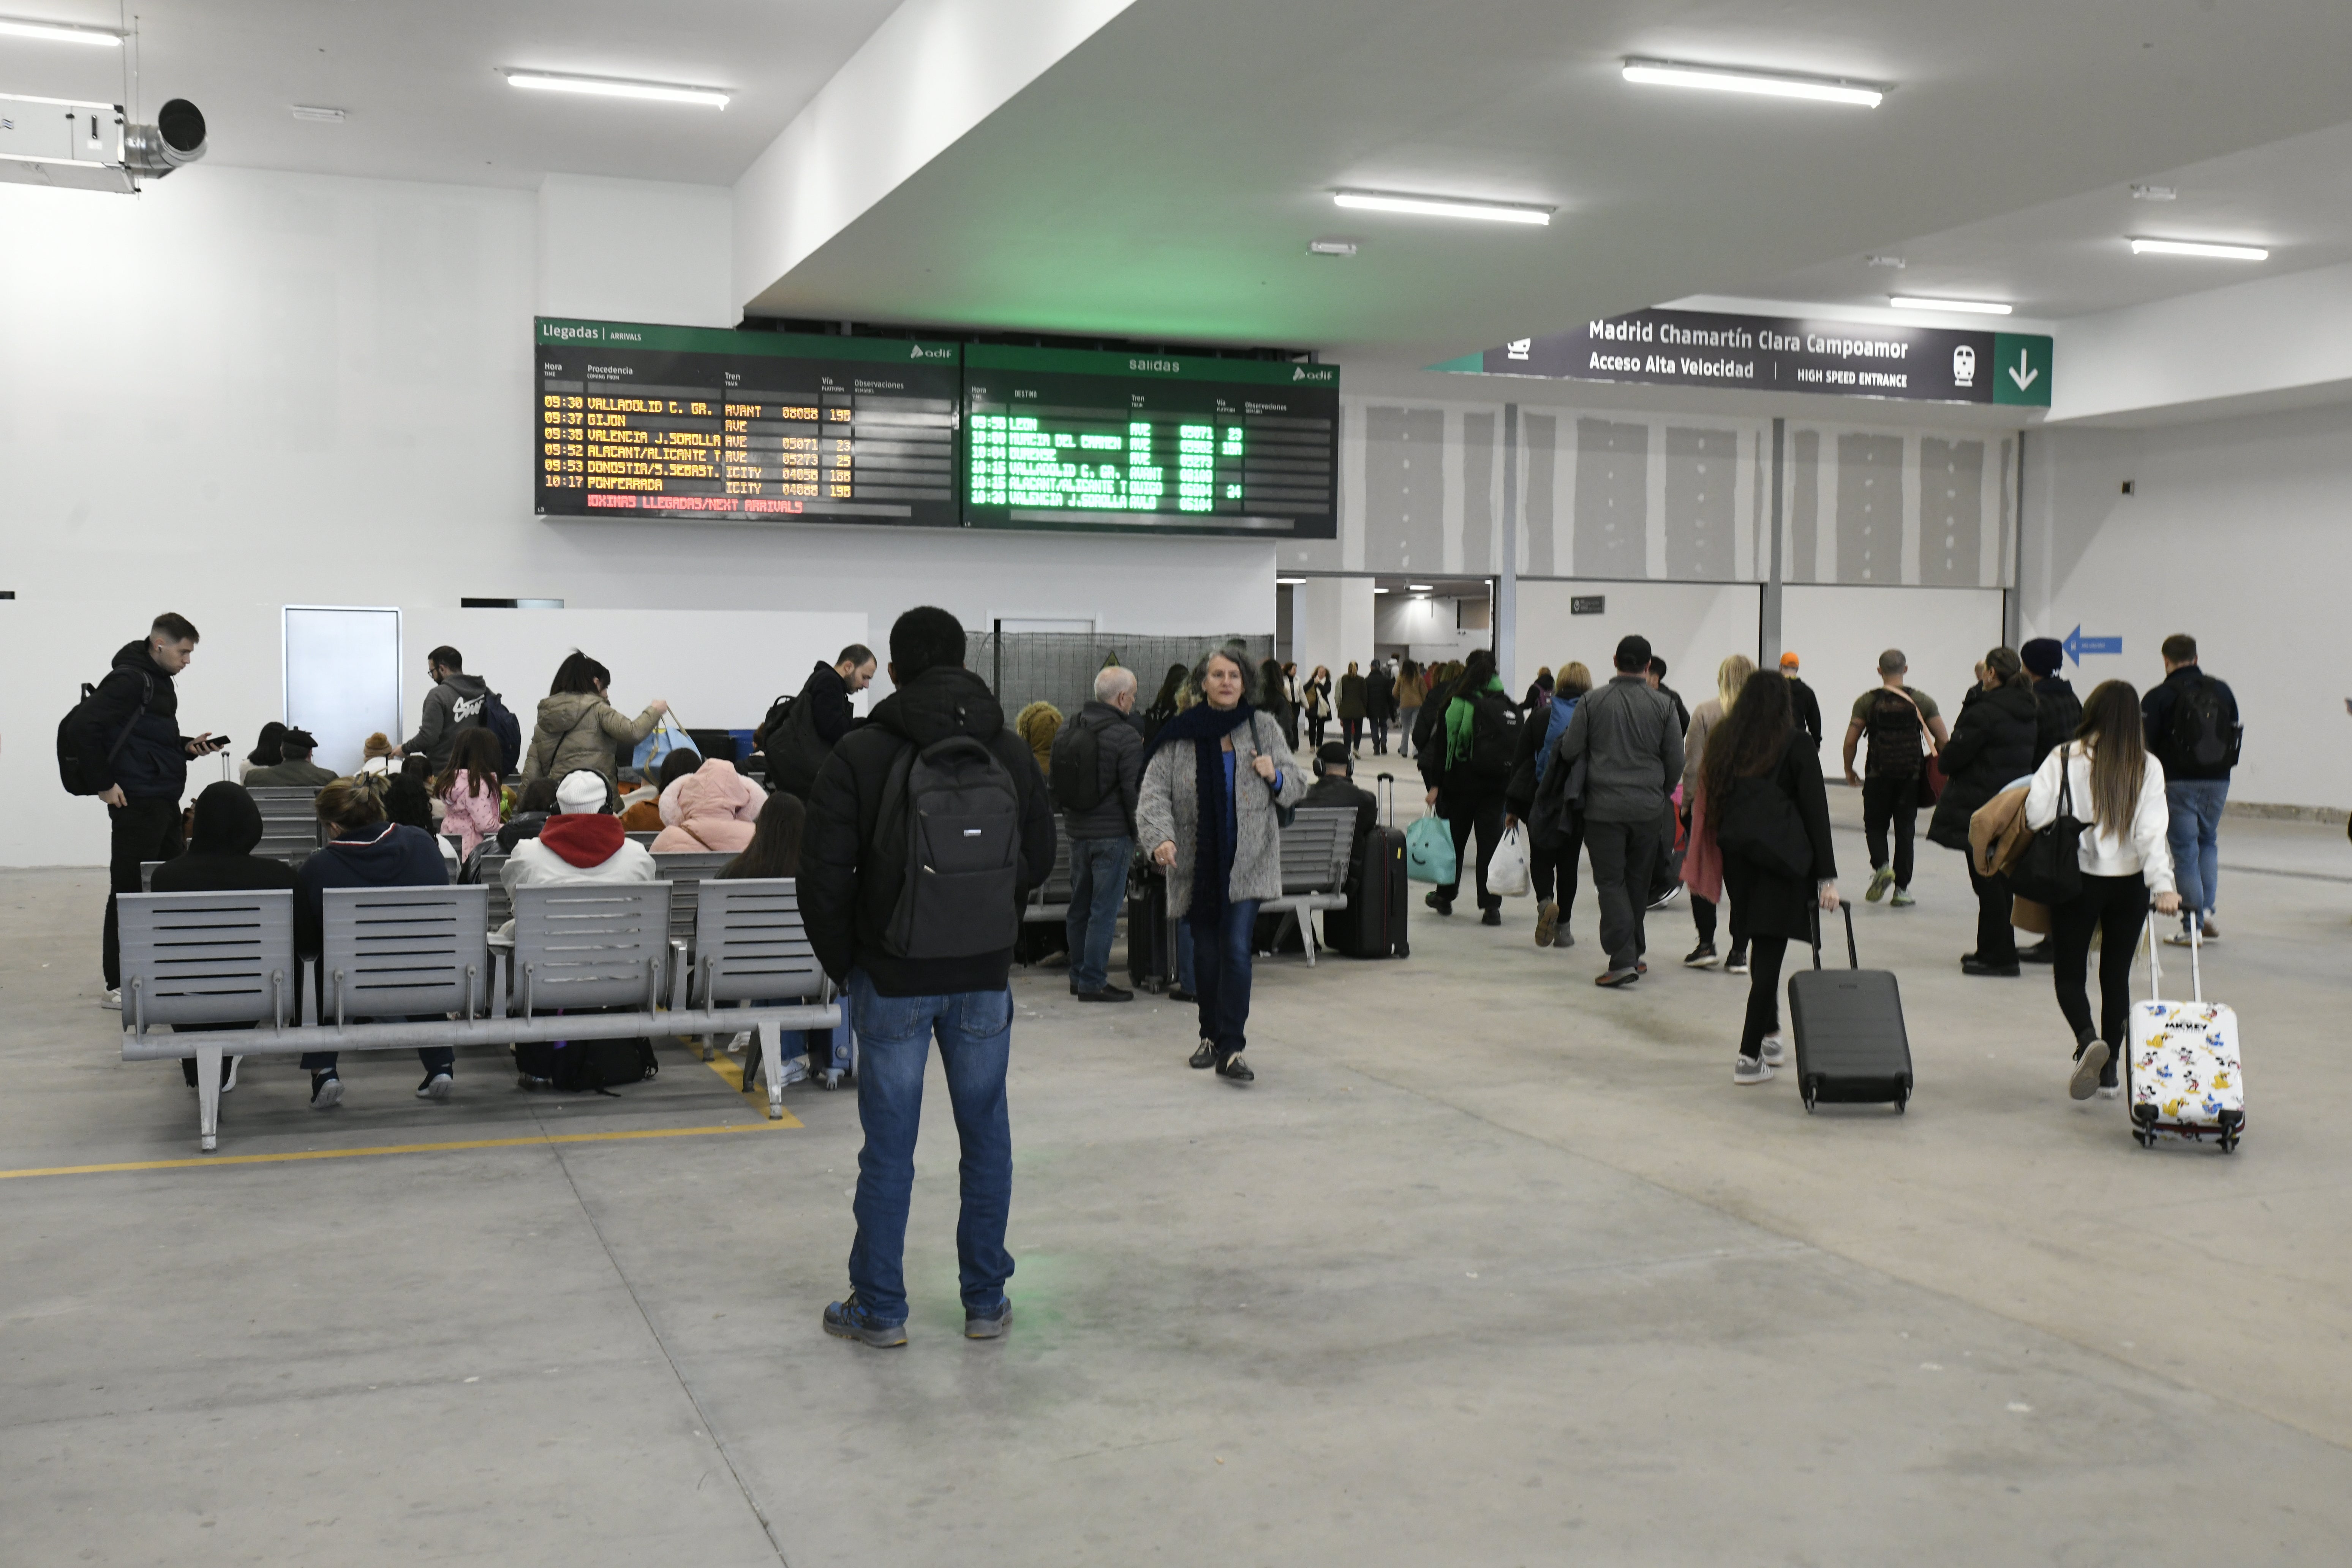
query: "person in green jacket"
1465, 790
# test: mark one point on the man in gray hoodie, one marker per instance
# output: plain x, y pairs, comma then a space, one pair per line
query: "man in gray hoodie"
455, 701
1632, 753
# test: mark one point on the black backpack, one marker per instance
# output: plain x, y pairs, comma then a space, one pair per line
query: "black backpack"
2203, 740
78, 772
1494, 735
1077, 766
496, 717
958, 812
1894, 726
778, 711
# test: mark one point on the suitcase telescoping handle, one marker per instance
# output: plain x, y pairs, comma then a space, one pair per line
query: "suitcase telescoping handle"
1853, 957
1388, 800
2195, 969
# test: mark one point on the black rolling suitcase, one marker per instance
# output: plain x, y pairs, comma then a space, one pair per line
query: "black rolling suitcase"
1852, 1048
1151, 935
1373, 923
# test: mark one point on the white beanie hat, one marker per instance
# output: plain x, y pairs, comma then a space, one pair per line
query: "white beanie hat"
581, 793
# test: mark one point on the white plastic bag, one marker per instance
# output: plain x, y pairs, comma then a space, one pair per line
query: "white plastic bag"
1507, 873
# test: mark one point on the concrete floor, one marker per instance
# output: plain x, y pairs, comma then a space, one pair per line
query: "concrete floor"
1488, 1267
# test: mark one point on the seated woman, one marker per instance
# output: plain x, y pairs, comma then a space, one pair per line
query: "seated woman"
711, 808
646, 816
532, 809
220, 858
581, 843
265, 753
362, 850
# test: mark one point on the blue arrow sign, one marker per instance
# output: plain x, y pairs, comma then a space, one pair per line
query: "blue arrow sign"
2076, 645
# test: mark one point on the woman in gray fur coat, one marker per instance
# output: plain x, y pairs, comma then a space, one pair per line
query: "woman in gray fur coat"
1213, 779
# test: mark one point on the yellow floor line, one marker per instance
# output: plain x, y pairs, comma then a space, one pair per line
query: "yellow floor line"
788, 1121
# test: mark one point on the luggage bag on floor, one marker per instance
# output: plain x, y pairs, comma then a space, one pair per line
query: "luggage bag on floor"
2183, 1077
1373, 923
1151, 935
1852, 1048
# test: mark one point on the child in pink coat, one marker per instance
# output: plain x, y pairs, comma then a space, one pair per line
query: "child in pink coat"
470, 788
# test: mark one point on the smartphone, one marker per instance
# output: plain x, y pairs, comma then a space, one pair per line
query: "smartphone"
219, 744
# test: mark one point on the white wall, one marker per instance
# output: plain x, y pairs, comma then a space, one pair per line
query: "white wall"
1691, 626
1426, 626
244, 390
2240, 533
1331, 623
1839, 633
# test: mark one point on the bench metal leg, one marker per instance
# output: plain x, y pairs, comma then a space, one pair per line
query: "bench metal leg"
208, 1082
771, 1064
1307, 930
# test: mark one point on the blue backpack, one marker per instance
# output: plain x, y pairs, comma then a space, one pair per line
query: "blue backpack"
498, 721
1563, 708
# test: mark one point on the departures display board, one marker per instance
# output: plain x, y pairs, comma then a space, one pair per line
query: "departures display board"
692, 422
1080, 439
698, 422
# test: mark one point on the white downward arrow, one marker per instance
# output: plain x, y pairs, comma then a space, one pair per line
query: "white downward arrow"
2025, 375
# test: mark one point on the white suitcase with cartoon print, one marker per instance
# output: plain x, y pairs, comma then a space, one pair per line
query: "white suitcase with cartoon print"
2185, 1082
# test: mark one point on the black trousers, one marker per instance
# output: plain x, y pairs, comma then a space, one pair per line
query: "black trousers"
2115, 907
1485, 816
1315, 722
1896, 803
1380, 734
1552, 873
143, 829
1353, 729
1996, 938
1624, 864
1765, 954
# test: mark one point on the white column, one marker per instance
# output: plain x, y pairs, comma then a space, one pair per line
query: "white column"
1331, 623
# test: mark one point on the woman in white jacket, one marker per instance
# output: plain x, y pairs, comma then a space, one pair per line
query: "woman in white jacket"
2111, 782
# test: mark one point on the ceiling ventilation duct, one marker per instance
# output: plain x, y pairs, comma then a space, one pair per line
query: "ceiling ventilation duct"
88, 146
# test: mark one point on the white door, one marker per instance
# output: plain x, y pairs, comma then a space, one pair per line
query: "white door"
342, 679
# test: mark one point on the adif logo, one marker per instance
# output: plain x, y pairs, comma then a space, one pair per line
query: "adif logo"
1964, 366
1301, 372
922, 352
1517, 348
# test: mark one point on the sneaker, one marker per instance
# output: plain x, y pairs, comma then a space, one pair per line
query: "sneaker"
1236, 1069
740, 1044
2212, 933
1443, 906
228, 1073
2179, 939
849, 1319
1673, 891
1749, 1072
530, 1085
1109, 993
1490, 916
1547, 922
988, 1325
1563, 938
437, 1086
1880, 881
2089, 1062
1902, 899
1206, 1057
1616, 977
1737, 963
2111, 1091
1700, 957
2039, 952
111, 999
1776, 1050
326, 1092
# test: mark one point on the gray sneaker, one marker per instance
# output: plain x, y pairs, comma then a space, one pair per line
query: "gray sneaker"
1749, 1071
2088, 1064
1776, 1050
988, 1326
849, 1319
1902, 899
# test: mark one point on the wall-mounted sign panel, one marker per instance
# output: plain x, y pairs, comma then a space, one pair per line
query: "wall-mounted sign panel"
1168, 443
689, 422
1772, 354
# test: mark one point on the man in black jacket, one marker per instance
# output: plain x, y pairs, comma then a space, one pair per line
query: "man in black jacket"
2194, 731
819, 718
1102, 837
135, 756
866, 906
1335, 787
1804, 704
2060, 712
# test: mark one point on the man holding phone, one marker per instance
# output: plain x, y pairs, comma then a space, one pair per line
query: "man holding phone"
132, 737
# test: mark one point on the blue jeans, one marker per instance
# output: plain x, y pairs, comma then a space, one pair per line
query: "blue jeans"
893, 1043
2195, 834
1221, 963
1098, 887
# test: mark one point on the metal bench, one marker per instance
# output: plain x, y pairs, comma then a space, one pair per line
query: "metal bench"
290, 823
1050, 901
413, 958
751, 947
1315, 847
641, 836
687, 868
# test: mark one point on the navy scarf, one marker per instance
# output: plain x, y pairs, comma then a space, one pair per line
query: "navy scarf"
1212, 848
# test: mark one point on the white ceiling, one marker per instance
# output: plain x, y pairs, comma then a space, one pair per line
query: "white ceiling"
419, 80
2068, 258
1163, 180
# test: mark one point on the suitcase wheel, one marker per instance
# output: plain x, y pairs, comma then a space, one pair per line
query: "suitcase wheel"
1404, 950
1902, 1102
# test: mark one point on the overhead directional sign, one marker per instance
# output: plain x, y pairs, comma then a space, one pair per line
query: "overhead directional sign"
1775, 353
2076, 645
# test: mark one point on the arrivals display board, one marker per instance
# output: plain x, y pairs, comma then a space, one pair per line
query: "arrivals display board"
690, 422
1161, 443
1771, 354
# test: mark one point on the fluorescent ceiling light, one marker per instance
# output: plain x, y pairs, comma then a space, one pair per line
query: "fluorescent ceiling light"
1767, 84
1331, 247
2196, 247
60, 33
2143, 192
317, 112
1973, 307
1443, 206
1420, 588
1288, 581
1380, 590
601, 86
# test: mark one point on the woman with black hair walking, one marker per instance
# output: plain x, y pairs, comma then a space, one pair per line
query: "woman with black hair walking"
1764, 802
578, 727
